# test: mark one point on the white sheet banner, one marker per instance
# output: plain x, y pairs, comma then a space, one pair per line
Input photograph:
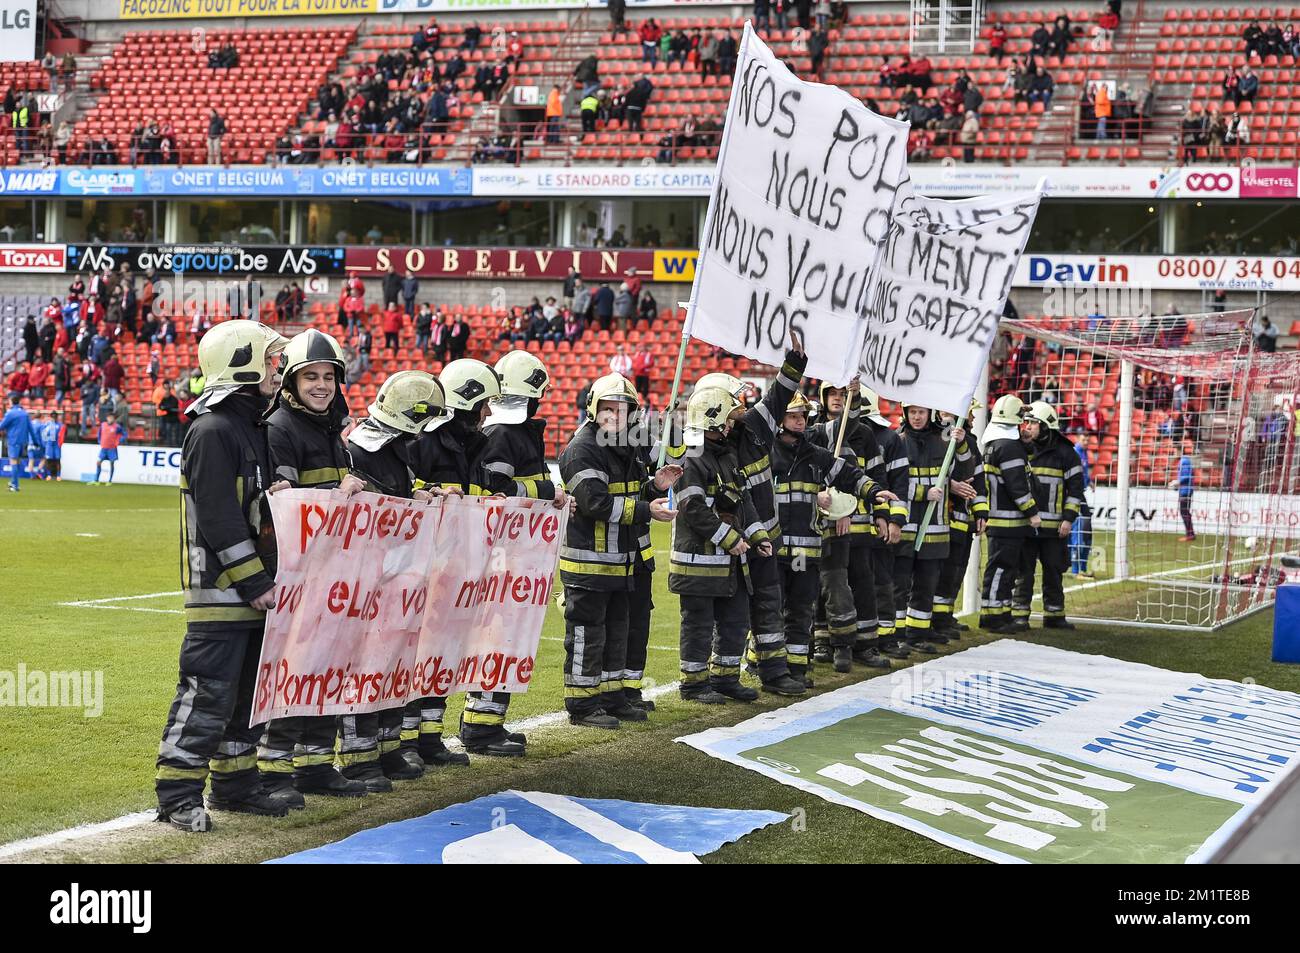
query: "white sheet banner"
379, 600
937, 297
806, 185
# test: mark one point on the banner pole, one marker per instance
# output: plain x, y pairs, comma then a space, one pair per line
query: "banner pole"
665, 425
942, 481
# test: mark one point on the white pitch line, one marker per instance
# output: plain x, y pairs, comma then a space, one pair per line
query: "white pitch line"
1165, 572
106, 603
80, 832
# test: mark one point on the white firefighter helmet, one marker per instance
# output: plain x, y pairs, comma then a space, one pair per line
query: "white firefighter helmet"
1008, 409
709, 409
232, 355
613, 387
1045, 414
466, 383
408, 401
842, 504
522, 375
732, 384
313, 347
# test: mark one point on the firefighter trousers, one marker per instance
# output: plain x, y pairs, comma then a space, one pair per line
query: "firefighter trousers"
595, 648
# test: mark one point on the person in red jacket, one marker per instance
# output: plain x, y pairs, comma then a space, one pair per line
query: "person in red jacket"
36, 379
393, 319
642, 361
18, 382
650, 33
998, 43
114, 375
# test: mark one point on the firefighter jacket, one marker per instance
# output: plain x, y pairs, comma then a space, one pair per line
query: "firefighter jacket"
714, 513
228, 541
802, 470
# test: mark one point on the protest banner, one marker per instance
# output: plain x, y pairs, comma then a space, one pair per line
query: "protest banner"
938, 295
380, 600
802, 202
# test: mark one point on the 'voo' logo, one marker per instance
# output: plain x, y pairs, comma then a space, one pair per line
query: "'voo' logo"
1209, 182
76, 906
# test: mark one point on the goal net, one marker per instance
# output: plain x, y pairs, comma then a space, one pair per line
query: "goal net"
1189, 436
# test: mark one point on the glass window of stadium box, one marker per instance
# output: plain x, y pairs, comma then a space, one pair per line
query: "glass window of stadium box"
492, 222
218, 220
111, 220
1234, 227
663, 223
22, 220
354, 223
1097, 228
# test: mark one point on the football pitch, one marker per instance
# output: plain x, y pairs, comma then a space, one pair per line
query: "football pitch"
89, 582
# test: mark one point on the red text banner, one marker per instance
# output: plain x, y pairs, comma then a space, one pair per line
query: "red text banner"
380, 600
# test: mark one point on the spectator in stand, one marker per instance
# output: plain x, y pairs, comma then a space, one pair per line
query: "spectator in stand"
1247, 85
998, 42
1273, 41
1217, 133
90, 394
216, 130
581, 300
679, 48
410, 290
1061, 36
602, 306
1290, 41
782, 10
1104, 32
1041, 87
970, 135
423, 328
393, 319
166, 333
37, 374
648, 309
61, 376
48, 331
354, 309
169, 416
440, 337
803, 11
1102, 108
708, 55
31, 337
727, 51
638, 98
460, 333
617, 17
554, 115
588, 109
1265, 334
555, 324
650, 33
570, 286
621, 362
470, 39
114, 375
762, 15
1040, 41
624, 305
642, 362
818, 45
918, 74
1253, 36
839, 14
365, 343
1238, 132
18, 380
573, 327
514, 49
1094, 421
586, 75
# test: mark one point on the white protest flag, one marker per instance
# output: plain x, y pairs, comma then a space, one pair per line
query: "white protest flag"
805, 190
938, 294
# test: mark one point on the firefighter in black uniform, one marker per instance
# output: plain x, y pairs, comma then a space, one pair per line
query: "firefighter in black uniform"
716, 526
892, 474
226, 533
752, 436
381, 454
916, 571
514, 464
804, 473
1013, 514
966, 519
604, 471
448, 456
847, 559
307, 450
1057, 479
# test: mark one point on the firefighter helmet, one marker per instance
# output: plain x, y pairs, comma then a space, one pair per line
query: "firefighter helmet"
466, 383
408, 401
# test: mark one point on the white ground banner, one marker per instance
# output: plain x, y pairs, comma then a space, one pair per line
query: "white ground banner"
1155, 510
1024, 753
806, 184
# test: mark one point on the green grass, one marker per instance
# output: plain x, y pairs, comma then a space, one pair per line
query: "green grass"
59, 768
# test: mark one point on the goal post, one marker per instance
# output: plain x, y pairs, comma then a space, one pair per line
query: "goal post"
1189, 437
